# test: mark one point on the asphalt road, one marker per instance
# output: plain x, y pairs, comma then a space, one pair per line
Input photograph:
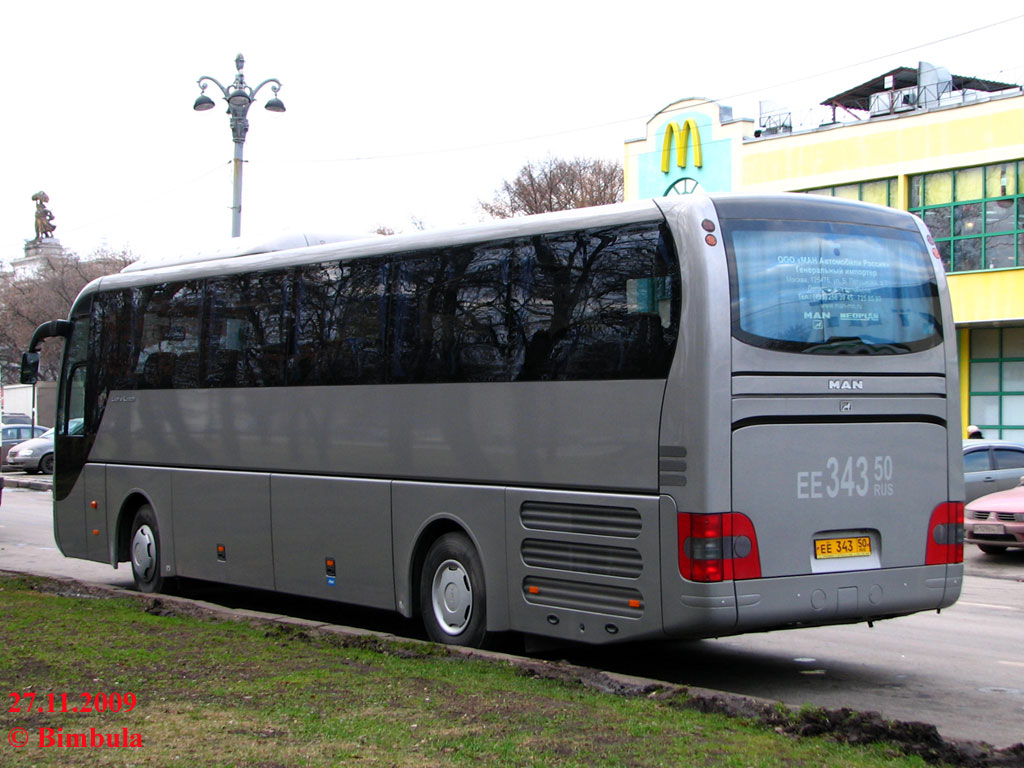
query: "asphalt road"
962, 671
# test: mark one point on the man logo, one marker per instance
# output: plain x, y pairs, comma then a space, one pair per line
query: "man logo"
845, 384
682, 145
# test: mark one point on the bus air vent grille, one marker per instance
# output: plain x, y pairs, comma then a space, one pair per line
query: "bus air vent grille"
583, 558
579, 596
620, 522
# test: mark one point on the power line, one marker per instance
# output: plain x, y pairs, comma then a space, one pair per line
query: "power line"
622, 121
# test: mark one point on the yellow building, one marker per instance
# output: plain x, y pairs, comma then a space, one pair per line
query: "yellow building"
946, 147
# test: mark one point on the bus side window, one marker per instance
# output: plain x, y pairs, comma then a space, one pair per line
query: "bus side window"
74, 411
70, 419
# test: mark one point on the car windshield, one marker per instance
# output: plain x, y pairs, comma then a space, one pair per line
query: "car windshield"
47, 433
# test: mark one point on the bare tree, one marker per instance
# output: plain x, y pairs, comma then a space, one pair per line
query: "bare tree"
557, 185
25, 302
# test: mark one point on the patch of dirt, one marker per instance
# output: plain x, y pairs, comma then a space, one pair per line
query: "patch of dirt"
854, 727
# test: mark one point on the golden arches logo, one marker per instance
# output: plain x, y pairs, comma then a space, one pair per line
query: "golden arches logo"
682, 136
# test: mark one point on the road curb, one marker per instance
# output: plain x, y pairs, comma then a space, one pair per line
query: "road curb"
22, 481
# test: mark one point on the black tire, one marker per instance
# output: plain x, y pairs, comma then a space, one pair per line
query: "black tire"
46, 464
991, 549
144, 551
453, 599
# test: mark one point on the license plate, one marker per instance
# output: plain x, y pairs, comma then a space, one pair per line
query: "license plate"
988, 528
855, 546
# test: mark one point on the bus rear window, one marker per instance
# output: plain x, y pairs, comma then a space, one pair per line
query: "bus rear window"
831, 288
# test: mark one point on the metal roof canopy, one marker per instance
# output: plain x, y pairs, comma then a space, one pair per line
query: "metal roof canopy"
905, 77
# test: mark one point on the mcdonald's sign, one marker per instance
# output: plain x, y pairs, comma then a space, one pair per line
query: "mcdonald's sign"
682, 137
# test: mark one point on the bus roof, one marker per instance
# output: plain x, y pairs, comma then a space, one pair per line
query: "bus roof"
242, 255
238, 246
291, 250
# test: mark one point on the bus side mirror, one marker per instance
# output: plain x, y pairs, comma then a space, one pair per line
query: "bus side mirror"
30, 359
29, 367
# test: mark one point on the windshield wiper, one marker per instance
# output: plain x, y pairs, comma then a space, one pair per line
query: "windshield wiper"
854, 345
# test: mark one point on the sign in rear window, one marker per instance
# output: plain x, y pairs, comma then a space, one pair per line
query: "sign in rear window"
828, 288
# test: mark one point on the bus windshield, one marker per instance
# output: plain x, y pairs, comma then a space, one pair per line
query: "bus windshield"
831, 288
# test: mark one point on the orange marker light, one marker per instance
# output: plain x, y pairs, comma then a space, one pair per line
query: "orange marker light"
634, 603
533, 590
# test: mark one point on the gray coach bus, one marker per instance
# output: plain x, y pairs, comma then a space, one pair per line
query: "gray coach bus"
685, 417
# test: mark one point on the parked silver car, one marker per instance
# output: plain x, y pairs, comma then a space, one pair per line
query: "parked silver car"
990, 466
36, 455
17, 433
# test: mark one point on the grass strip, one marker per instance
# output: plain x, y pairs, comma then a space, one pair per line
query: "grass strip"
214, 692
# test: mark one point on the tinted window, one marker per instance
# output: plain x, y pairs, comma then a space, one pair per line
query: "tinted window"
593, 304
117, 330
249, 337
340, 323
976, 461
1008, 458
425, 320
830, 288
170, 326
599, 304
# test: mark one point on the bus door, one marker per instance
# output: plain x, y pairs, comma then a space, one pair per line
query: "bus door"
70, 444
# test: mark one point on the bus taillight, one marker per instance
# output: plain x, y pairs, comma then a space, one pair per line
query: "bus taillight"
717, 547
946, 534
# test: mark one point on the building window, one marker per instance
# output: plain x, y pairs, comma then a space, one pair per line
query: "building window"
997, 382
976, 215
881, 192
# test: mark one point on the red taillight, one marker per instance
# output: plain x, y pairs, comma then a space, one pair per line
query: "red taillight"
946, 534
717, 547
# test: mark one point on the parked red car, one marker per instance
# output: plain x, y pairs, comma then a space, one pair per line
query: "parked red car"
996, 521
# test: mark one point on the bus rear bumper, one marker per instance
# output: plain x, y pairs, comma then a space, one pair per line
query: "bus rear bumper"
812, 600
839, 598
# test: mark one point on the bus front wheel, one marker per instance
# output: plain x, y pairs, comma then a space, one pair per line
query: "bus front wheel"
453, 602
145, 551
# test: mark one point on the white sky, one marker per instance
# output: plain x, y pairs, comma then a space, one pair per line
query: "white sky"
401, 111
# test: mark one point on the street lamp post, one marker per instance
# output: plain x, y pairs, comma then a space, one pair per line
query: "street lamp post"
239, 97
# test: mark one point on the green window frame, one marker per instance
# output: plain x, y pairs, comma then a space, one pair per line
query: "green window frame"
975, 214
880, 191
997, 382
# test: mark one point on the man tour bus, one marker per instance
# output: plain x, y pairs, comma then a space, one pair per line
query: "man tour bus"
683, 418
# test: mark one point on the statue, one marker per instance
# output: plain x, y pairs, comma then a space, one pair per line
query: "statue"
44, 217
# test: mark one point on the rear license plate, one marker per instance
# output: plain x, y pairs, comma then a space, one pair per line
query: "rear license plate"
855, 546
988, 528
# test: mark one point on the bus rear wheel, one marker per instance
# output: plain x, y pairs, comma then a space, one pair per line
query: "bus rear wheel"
145, 551
453, 601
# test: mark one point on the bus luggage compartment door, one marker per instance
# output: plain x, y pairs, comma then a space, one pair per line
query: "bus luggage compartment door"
833, 505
